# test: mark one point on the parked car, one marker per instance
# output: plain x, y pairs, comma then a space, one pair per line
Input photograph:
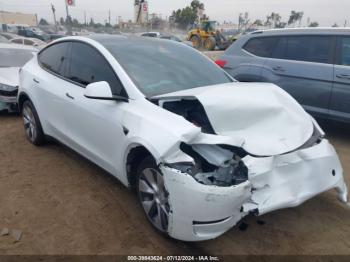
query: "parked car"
8, 36
52, 37
151, 34
3, 39
166, 36
202, 150
28, 41
33, 34
13, 57
313, 65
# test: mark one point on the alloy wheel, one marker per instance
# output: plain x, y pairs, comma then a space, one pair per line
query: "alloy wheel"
30, 125
154, 198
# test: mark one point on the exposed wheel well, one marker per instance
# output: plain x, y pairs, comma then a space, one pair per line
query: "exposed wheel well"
133, 161
22, 98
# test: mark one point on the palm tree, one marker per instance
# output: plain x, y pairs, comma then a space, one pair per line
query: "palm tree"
294, 17
276, 18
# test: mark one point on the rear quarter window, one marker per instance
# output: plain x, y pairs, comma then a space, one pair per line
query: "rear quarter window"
261, 46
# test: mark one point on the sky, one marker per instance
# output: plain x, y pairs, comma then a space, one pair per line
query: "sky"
325, 12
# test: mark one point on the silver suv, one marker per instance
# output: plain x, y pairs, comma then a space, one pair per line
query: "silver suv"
313, 65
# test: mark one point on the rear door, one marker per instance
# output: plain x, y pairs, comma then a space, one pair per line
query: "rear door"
340, 102
50, 87
303, 66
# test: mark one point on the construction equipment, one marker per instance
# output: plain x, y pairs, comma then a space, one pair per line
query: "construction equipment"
206, 36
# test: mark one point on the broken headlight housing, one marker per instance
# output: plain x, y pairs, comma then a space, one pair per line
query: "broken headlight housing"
214, 165
8, 90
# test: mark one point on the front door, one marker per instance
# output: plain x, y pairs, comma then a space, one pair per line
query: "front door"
93, 126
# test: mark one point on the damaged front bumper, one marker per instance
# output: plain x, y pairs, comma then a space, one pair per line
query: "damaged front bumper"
8, 100
201, 212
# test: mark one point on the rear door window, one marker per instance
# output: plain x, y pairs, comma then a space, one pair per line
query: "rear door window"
316, 49
54, 58
17, 41
261, 46
28, 42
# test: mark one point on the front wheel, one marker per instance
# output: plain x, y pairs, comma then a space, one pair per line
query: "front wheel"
32, 126
153, 195
196, 41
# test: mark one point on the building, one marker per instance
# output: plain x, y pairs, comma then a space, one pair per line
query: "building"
141, 12
18, 18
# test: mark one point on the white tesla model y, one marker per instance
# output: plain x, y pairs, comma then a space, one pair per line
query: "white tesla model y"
201, 150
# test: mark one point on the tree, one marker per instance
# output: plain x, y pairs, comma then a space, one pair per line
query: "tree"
295, 17
313, 24
335, 25
281, 25
195, 4
62, 22
273, 20
258, 22
243, 20
75, 23
92, 23
43, 22
188, 15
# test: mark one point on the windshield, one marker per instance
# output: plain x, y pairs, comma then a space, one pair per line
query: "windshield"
160, 66
14, 57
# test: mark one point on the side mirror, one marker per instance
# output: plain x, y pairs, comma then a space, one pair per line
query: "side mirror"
102, 91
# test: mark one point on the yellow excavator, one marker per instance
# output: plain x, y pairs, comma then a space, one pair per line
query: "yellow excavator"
206, 36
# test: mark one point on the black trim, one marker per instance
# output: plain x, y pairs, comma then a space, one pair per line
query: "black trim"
9, 93
113, 98
331, 59
69, 52
210, 222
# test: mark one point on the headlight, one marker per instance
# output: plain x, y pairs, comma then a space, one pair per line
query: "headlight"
7, 88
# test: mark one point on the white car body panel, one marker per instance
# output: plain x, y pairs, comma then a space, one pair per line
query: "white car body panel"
269, 117
270, 125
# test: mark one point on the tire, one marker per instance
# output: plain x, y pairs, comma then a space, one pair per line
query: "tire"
210, 43
196, 41
32, 126
152, 195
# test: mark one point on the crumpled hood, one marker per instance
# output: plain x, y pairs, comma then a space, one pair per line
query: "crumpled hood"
9, 76
267, 119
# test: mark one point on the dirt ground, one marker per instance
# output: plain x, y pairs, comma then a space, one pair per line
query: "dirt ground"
63, 204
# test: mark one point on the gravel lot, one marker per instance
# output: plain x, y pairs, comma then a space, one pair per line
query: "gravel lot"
63, 204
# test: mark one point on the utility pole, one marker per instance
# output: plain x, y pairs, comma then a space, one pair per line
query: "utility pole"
54, 16
68, 22
109, 16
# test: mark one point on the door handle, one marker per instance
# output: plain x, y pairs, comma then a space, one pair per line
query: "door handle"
36, 81
343, 76
278, 68
69, 96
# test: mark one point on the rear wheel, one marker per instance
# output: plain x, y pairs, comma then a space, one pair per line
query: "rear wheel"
196, 41
153, 195
32, 126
